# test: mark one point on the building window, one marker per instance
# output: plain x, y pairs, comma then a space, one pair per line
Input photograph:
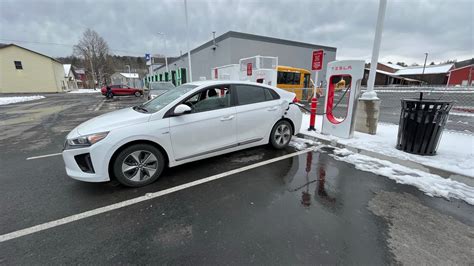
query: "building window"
18, 65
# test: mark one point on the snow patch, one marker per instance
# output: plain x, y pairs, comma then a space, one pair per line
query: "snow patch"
461, 114
430, 184
85, 91
454, 154
18, 99
300, 143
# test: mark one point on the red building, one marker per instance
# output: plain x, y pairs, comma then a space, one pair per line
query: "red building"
461, 76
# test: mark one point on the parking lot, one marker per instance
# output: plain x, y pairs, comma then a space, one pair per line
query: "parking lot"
257, 206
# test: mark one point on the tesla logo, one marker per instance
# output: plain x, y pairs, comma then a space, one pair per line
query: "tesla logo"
339, 68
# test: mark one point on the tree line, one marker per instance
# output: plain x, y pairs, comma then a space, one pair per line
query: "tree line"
92, 53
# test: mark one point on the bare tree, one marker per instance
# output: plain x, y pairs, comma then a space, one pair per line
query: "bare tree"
95, 52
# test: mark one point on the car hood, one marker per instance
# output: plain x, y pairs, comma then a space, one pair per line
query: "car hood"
112, 120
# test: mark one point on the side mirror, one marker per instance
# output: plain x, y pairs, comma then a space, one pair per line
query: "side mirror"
181, 109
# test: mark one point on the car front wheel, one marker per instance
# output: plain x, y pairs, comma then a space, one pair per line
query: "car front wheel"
138, 165
137, 94
281, 134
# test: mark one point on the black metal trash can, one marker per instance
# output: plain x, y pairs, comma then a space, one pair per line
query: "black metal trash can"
421, 125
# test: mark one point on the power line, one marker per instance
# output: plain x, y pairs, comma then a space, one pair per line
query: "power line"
62, 44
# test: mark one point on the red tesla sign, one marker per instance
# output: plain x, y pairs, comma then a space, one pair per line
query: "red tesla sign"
317, 62
249, 69
215, 73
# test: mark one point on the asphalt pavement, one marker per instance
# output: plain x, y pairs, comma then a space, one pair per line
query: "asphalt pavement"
305, 209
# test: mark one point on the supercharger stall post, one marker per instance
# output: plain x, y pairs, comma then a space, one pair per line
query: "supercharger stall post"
353, 71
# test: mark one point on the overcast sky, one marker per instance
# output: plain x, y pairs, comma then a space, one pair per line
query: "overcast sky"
442, 28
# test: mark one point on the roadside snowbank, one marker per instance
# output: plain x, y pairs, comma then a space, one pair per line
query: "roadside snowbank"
18, 99
454, 154
85, 91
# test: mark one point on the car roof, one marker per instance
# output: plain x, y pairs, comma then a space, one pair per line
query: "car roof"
203, 83
218, 82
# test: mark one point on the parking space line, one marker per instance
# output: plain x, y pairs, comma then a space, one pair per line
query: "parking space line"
43, 156
148, 196
99, 106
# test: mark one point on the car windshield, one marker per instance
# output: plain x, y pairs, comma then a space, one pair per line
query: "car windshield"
166, 98
162, 86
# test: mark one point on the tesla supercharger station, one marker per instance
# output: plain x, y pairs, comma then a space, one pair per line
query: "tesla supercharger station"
346, 76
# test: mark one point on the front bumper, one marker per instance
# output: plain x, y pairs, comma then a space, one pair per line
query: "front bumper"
73, 169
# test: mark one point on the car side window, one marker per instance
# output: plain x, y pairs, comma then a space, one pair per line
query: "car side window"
268, 95
212, 98
247, 94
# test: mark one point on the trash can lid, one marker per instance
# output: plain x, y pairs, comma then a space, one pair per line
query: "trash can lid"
438, 101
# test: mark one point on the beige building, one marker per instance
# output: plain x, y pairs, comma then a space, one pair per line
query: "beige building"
26, 71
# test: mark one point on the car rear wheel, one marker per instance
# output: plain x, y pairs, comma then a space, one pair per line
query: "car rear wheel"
138, 165
137, 94
281, 134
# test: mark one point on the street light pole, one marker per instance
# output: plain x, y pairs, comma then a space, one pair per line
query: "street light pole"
164, 51
368, 105
370, 93
424, 66
187, 41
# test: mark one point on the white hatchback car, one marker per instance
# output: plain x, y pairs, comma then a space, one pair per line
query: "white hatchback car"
188, 123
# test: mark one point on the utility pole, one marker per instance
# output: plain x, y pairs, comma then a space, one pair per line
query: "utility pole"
187, 41
424, 66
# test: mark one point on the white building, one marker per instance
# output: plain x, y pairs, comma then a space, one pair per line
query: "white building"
129, 79
70, 78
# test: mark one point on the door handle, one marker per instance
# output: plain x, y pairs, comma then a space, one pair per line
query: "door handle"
274, 108
226, 118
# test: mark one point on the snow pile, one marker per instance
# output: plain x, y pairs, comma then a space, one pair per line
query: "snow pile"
18, 99
301, 144
85, 91
430, 184
454, 154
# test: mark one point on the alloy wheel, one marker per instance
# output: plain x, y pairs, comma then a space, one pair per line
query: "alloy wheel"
282, 134
139, 165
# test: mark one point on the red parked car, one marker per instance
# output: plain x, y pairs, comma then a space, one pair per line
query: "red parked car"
119, 90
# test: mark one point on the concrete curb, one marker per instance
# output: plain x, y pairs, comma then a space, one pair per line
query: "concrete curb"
411, 164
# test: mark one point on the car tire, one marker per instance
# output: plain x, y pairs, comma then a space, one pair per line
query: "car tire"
281, 134
138, 165
138, 94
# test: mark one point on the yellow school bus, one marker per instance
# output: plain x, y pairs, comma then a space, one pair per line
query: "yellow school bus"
294, 79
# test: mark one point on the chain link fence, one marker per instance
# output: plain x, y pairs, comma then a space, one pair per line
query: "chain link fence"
462, 97
461, 115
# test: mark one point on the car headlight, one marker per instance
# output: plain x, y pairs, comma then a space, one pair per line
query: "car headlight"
85, 141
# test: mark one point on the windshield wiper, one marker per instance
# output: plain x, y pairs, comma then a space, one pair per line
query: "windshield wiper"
141, 108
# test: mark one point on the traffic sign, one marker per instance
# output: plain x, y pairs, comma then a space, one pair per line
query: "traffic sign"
148, 59
317, 62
